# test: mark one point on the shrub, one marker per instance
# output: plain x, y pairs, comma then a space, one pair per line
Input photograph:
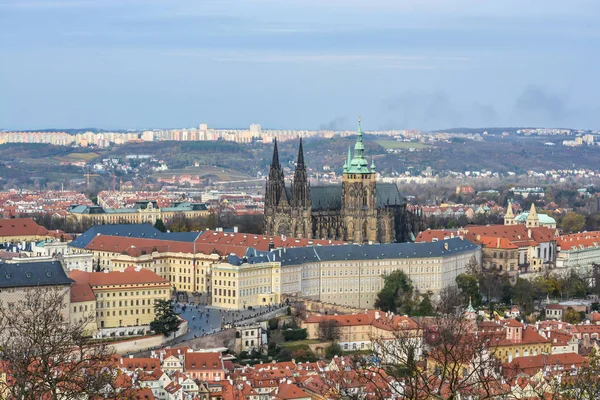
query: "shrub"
295, 334
303, 354
273, 324
333, 350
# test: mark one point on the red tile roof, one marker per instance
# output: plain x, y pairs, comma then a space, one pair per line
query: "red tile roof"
439, 234
291, 391
129, 276
530, 365
203, 361
258, 242
497, 243
81, 292
372, 317
138, 246
21, 227
131, 364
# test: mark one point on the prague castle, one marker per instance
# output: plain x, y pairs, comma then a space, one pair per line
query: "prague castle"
358, 211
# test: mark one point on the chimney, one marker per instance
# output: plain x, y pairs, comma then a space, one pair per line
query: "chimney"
446, 246
529, 233
498, 242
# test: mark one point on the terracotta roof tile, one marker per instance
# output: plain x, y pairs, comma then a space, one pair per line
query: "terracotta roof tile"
81, 292
129, 276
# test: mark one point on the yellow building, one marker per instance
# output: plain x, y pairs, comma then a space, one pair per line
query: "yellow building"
183, 264
125, 298
83, 307
239, 284
17, 230
143, 212
516, 340
373, 330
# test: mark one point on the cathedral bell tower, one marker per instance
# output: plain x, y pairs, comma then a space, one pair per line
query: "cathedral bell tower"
359, 195
277, 219
301, 201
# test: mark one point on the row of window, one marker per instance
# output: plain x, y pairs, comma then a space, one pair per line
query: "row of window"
124, 294
124, 312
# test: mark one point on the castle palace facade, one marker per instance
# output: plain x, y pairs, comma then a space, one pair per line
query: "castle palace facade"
358, 211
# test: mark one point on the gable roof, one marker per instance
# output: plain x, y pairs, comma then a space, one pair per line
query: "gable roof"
291, 391
129, 276
20, 227
39, 273
258, 242
121, 230
431, 235
301, 255
81, 292
330, 197
139, 246
203, 361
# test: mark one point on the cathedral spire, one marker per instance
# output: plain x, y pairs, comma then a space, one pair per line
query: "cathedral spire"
275, 190
275, 163
359, 164
348, 160
300, 162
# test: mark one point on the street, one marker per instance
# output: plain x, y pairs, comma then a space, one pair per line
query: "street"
204, 319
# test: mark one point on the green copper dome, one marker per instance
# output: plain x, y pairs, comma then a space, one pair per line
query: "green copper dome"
358, 164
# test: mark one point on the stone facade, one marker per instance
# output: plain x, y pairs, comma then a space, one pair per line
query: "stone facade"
358, 211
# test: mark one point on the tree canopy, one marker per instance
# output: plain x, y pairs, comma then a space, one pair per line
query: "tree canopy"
166, 320
396, 295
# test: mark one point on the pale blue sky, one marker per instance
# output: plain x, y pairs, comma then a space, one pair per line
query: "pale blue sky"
421, 64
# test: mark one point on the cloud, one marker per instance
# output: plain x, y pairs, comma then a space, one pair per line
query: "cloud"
484, 114
419, 110
336, 124
366, 60
537, 102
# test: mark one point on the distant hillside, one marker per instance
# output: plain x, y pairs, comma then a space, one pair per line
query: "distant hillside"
493, 131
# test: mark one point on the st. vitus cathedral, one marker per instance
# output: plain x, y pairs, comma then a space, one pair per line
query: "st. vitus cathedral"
358, 211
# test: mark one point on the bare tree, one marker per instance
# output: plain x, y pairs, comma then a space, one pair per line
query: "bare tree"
450, 301
299, 312
47, 356
329, 330
442, 357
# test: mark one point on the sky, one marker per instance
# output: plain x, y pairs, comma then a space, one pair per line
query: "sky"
299, 64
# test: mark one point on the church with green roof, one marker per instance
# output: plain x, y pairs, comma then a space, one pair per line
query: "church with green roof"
360, 210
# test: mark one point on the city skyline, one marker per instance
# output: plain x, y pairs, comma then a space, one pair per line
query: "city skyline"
299, 65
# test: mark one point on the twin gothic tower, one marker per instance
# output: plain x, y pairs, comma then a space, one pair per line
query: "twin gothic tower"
357, 211
288, 212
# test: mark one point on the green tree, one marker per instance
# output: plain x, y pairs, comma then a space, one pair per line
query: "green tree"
396, 295
572, 285
425, 308
469, 288
159, 224
334, 349
524, 294
571, 316
166, 320
572, 222
211, 222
